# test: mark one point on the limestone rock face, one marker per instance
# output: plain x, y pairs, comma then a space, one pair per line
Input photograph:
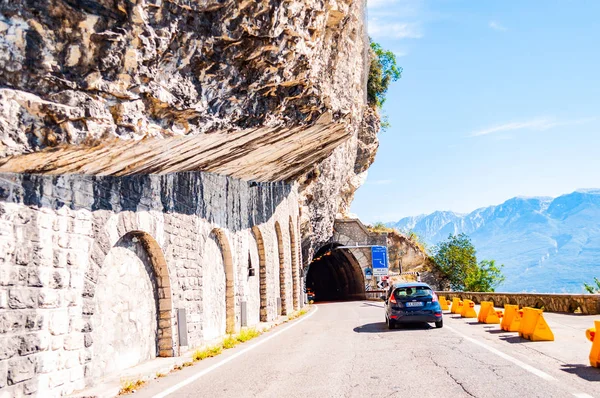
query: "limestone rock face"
86, 72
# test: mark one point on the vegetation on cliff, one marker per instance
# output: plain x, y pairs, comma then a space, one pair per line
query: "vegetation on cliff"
456, 259
383, 71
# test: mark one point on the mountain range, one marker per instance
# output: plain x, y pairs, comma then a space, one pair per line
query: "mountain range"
546, 244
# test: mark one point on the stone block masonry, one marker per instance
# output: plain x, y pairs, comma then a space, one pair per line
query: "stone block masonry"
93, 269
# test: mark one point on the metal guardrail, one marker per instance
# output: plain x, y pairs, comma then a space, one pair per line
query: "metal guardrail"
374, 294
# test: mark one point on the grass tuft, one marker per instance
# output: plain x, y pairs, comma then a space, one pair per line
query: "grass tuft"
230, 342
298, 314
130, 386
207, 353
247, 334
159, 375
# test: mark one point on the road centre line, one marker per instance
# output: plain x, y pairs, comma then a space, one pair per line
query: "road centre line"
198, 375
514, 360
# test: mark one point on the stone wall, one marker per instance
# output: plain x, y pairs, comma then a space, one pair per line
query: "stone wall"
588, 304
92, 269
351, 232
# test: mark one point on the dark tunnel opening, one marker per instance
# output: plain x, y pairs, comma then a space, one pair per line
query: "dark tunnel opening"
335, 275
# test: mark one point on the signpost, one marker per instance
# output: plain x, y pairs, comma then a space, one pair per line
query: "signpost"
379, 260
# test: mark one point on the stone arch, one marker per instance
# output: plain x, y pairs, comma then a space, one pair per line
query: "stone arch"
539, 304
335, 274
294, 262
128, 304
282, 290
573, 306
221, 239
262, 273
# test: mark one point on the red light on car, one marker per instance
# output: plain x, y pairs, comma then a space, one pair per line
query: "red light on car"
393, 299
434, 297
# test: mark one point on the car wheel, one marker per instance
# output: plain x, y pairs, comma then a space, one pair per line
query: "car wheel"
391, 324
439, 323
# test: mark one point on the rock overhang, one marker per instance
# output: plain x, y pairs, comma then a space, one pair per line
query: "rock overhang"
265, 154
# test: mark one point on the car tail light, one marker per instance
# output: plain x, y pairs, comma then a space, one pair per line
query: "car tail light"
434, 297
393, 299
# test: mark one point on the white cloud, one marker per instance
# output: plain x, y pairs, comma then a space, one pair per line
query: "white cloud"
396, 30
497, 26
396, 19
540, 124
536, 124
380, 3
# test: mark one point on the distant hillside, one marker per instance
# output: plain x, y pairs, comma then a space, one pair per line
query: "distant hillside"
546, 244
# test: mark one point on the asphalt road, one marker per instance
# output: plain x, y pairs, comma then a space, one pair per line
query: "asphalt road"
345, 350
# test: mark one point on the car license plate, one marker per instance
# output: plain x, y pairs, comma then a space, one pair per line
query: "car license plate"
414, 304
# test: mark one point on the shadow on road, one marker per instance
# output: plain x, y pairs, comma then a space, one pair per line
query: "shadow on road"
381, 327
497, 331
515, 340
585, 372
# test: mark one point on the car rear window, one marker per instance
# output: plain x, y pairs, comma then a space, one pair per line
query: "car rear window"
412, 291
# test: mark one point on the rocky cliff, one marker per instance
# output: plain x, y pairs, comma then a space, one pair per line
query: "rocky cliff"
157, 86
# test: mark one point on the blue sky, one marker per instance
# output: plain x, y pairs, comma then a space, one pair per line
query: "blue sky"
497, 99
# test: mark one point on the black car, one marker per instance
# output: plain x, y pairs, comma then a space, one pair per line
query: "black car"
412, 302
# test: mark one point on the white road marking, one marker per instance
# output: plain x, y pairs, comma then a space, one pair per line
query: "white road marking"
517, 362
198, 375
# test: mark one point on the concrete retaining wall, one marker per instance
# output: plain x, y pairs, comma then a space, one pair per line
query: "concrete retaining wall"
89, 265
589, 304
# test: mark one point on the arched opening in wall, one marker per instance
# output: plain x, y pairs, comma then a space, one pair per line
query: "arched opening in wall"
294, 256
262, 273
224, 283
335, 274
282, 292
132, 320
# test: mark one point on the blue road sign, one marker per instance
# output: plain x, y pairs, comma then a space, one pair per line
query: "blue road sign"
379, 260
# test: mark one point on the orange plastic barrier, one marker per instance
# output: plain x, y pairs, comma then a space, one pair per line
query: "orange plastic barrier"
534, 327
456, 305
595, 352
468, 309
510, 313
487, 313
445, 304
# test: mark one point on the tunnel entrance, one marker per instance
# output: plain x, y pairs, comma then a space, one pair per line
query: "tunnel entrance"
335, 274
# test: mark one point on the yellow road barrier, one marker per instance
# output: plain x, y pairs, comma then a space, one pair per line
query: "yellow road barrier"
534, 326
510, 313
486, 308
468, 309
595, 352
493, 316
456, 305
445, 304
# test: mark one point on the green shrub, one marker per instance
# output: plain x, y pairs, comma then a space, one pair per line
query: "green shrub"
382, 72
592, 289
